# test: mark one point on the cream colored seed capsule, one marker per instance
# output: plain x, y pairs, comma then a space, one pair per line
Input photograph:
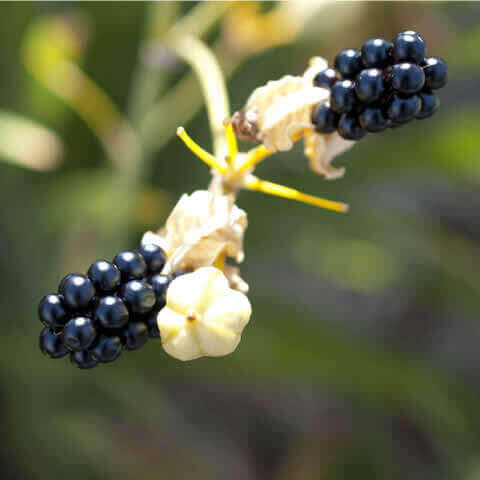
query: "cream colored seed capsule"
203, 316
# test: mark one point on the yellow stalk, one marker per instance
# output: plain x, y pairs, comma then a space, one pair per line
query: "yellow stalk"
257, 154
254, 183
202, 154
254, 156
231, 140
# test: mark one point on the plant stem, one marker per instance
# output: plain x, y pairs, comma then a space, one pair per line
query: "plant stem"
214, 90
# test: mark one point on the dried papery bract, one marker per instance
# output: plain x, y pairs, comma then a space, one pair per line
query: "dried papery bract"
321, 150
201, 227
282, 109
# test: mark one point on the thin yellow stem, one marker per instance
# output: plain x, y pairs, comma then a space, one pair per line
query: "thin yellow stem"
202, 154
254, 183
231, 140
255, 156
209, 73
258, 154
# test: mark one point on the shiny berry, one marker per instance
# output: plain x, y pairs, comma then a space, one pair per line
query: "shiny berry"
350, 128
131, 265
111, 312
326, 78
376, 53
413, 33
342, 96
51, 344
151, 323
348, 62
402, 109
138, 296
52, 312
408, 48
373, 119
160, 284
324, 118
77, 291
83, 359
436, 72
79, 333
135, 334
429, 104
105, 276
369, 85
407, 78
154, 257
106, 349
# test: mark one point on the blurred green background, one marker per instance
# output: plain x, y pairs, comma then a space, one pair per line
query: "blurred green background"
361, 358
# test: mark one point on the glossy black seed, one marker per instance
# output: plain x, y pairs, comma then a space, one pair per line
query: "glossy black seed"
138, 296
160, 284
151, 322
429, 103
413, 33
402, 109
79, 333
373, 119
350, 128
408, 48
348, 62
77, 291
154, 257
407, 78
342, 96
135, 334
52, 312
65, 280
105, 276
83, 360
324, 118
106, 348
132, 266
111, 312
326, 78
436, 73
51, 344
376, 53
369, 85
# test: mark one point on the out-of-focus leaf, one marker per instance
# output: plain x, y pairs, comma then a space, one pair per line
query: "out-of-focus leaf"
351, 262
53, 39
467, 42
28, 144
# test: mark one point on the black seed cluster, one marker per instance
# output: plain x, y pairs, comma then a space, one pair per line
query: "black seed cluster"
93, 317
384, 84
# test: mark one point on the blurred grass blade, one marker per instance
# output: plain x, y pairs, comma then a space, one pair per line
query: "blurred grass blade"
27, 144
51, 51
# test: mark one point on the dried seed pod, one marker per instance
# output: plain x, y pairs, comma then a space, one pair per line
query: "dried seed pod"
322, 149
278, 110
282, 109
201, 227
203, 316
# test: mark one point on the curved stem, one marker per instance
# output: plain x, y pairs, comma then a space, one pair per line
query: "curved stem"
206, 67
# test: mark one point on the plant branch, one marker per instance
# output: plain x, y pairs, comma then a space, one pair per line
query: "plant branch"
212, 82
